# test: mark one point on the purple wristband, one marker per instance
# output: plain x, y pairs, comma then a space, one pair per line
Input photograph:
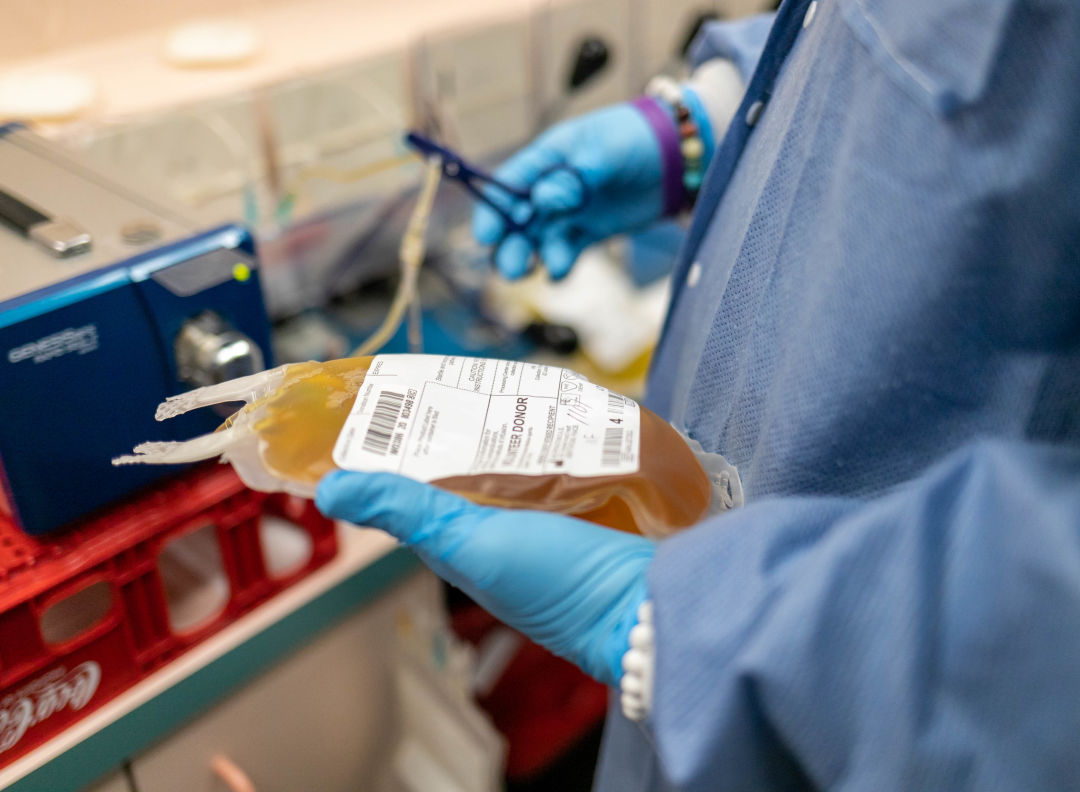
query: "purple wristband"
670, 154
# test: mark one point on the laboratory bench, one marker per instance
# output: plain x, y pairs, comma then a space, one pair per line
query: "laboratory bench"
248, 687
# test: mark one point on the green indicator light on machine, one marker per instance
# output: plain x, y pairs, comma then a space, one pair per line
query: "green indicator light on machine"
241, 271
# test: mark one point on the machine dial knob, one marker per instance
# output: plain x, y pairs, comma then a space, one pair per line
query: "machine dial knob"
209, 350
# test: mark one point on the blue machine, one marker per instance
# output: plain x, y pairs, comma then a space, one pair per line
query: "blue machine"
109, 302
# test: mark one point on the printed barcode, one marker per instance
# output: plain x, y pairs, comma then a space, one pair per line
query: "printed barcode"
615, 404
383, 421
611, 453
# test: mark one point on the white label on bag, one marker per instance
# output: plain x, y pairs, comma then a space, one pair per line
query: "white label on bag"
430, 417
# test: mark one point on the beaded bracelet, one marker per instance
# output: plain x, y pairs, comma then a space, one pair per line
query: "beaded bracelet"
639, 667
691, 145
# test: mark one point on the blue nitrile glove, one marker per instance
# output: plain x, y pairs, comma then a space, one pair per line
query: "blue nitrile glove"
571, 586
618, 156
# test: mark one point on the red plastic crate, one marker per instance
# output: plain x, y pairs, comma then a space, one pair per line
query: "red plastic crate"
44, 688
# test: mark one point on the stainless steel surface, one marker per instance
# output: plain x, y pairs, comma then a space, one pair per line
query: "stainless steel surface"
61, 237
209, 351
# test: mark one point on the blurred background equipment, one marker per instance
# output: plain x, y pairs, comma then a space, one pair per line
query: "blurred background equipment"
129, 627
299, 135
132, 590
151, 303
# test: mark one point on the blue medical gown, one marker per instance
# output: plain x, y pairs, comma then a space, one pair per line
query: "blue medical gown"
877, 320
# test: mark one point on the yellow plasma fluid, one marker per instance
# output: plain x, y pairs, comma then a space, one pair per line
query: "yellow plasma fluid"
298, 422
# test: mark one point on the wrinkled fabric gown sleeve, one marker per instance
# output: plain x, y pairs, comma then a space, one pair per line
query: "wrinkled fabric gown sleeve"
927, 638
930, 635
